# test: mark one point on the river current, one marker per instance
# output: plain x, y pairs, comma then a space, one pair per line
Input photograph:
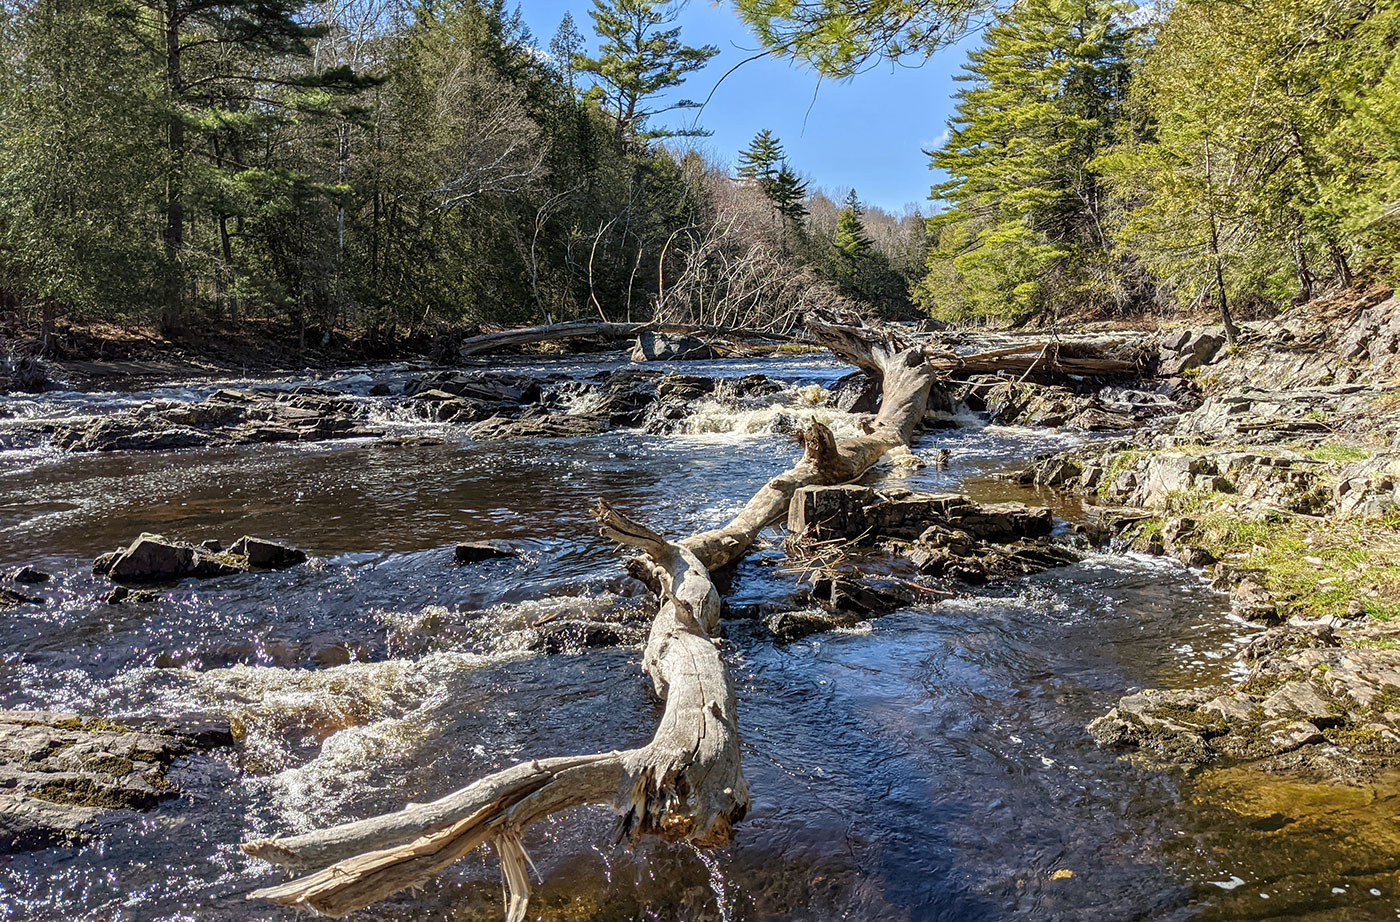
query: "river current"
931, 764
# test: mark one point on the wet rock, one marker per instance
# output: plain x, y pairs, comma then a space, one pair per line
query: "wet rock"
679, 388
789, 626
670, 347
475, 551
9, 598
380, 389
29, 575
551, 426
266, 555
62, 775
857, 393
852, 593
578, 634
152, 558
498, 388
119, 594
226, 417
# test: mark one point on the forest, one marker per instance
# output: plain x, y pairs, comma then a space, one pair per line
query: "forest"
377, 168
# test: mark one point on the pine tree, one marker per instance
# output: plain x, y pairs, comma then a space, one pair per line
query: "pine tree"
851, 248
638, 58
566, 46
789, 195
1022, 228
759, 161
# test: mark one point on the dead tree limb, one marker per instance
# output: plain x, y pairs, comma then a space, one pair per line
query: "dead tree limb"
687, 783
487, 342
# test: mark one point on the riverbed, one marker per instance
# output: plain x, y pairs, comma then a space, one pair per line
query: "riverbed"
929, 764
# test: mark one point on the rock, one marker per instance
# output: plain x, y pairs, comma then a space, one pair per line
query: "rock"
226, 417
10, 598
266, 555
152, 558
670, 347
61, 774
578, 634
857, 393
474, 551
29, 575
1293, 735
1233, 708
548, 426
679, 388
380, 389
1299, 699
789, 626
1187, 349
212, 545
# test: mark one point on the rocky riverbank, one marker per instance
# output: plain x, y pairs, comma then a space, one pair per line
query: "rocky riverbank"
1283, 485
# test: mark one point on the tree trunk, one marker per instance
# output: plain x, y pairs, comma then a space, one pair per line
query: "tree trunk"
174, 176
687, 783
554, 332
1232, 333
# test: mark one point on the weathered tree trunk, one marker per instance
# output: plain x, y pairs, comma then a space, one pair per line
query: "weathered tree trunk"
555, 332
687, 783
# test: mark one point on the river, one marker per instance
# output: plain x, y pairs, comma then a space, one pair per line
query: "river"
931, 764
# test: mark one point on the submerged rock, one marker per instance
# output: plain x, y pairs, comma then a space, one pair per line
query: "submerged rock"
474, 551
62, 776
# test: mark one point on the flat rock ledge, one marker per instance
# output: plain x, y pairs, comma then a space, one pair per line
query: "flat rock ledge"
1315, 702
63, 777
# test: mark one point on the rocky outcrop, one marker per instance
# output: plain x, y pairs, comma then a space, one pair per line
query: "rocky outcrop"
1316, 699
63, 776
1012, 403
226, 417
154, 559
548, 426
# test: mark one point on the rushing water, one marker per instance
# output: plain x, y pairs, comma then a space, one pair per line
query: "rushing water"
931, 764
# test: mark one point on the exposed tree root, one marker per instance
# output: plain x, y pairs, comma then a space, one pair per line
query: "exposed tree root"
687, 783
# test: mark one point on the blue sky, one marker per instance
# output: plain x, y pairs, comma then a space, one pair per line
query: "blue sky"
868, 132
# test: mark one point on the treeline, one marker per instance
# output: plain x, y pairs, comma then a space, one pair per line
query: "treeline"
1225, 154
374, 166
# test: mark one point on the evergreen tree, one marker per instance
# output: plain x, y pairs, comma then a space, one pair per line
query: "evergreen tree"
1022, 227
566, 46
759, 161
789, 195
638, 59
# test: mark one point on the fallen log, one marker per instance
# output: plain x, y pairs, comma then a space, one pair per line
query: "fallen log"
687, 783
554, 332
1027, 358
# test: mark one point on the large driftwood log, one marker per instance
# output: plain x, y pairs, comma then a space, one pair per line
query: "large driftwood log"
488, 342
687, 783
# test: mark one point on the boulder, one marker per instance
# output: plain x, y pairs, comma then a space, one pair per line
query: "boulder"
154, 559
652, 346
1187, 349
